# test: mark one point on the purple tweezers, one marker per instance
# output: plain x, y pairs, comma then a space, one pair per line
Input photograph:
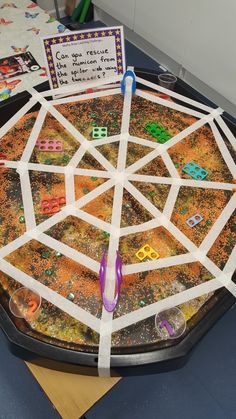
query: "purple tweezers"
110, 305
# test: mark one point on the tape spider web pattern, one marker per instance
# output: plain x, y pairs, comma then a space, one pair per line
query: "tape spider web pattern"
120, 178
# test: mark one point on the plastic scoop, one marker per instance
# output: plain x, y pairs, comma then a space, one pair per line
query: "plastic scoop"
110, 305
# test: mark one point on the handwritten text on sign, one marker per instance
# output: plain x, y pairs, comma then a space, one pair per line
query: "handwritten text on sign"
83, 56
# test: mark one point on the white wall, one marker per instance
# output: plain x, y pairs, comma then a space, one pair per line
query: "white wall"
122, 10
164, 24
199, 35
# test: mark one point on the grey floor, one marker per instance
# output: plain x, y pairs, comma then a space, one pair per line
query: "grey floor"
205, 388
21, 397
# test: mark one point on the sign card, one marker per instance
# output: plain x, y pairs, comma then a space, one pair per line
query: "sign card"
84, 55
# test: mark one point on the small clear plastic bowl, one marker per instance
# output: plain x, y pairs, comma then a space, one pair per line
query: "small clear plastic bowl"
170, 323
25, 303
167, 80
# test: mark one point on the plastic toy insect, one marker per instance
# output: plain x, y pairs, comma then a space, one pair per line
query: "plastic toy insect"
31, 15
18, 50
5, 22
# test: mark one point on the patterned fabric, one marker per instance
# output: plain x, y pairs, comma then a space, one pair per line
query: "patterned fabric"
22, 23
